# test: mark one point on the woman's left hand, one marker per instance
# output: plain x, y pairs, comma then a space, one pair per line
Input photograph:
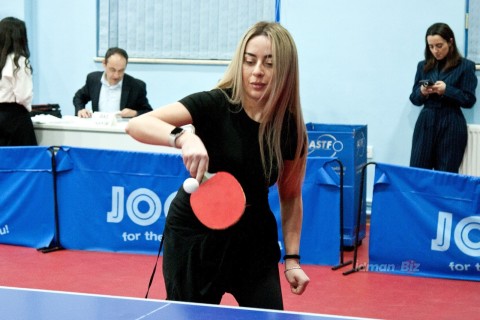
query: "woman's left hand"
298, 280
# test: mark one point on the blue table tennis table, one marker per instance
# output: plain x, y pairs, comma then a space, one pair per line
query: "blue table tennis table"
27, 304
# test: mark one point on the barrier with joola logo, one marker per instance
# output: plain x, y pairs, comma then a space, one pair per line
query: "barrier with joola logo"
117, 201
348, 143
108, 200
425, 223
112, 200
27, 198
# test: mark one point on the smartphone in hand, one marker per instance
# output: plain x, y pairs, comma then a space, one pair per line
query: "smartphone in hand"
427, 83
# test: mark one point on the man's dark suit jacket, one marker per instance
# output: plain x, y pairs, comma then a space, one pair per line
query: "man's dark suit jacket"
134, 94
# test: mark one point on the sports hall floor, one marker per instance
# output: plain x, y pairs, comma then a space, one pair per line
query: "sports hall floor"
361, 294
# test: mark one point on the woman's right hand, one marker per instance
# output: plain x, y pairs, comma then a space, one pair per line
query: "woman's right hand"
424, 90
194, 154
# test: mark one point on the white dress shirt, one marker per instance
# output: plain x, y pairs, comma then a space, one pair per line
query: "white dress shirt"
110, 95
16, 86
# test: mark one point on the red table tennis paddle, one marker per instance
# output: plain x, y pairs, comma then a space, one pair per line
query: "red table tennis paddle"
219, 201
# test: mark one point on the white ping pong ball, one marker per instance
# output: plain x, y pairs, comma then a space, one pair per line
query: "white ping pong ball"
190, 185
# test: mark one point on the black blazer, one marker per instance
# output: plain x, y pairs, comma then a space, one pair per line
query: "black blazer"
134, 94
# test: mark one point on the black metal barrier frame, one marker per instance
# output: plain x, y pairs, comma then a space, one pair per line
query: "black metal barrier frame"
357, 229
55, 245
341, 209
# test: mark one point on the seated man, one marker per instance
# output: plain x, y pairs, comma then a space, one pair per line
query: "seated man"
112, 90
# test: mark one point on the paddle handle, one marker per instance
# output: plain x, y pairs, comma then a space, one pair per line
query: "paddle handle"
207, 175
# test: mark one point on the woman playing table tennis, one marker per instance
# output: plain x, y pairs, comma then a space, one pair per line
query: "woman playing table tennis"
250, 126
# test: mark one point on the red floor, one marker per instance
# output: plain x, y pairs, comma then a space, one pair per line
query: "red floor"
362, 294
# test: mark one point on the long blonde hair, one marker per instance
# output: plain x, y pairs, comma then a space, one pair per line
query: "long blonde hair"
283, 101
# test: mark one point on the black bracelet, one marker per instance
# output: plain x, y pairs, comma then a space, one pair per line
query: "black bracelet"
291, 256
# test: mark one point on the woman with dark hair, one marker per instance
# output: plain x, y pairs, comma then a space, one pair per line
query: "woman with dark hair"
16, 87
444, 83
250, 125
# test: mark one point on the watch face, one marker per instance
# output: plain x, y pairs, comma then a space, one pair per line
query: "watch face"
176, 131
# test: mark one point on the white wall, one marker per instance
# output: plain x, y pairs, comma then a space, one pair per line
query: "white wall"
67, 46
357, 60
62, 38
9, 8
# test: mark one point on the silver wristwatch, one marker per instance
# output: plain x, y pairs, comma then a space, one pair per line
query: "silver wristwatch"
174, 134
177, 132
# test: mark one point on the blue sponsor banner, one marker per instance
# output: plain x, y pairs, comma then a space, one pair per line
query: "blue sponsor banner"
320, 241
425, 223
27, 214
114, 200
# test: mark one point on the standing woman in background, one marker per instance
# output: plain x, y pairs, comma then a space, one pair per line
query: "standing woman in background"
440, 135
16, 87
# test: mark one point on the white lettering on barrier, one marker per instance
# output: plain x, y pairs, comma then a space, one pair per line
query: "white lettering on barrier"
462, 239
116, 215
130, 236
4, 230
132, 207
327, 143
461, 234
137, 236
154, 207
444, 225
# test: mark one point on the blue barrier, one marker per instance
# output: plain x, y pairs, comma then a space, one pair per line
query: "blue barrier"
28, 212
101, 192
111, 200
425, 223
114, 200
348, 143
320, 241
